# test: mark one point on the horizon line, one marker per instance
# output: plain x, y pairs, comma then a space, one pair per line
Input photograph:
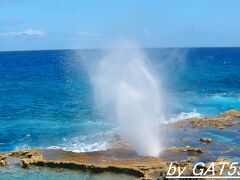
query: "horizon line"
172, 47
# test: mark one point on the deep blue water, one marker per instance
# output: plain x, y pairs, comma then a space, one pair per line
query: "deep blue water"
46, 96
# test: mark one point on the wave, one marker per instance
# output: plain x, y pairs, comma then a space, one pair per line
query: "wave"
185, 115
23, 147
95, 142
92, 142
82, 147
73, 145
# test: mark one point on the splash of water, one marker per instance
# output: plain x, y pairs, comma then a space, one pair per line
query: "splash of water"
127, 91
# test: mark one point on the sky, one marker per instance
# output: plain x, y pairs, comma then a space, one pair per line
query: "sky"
70, 24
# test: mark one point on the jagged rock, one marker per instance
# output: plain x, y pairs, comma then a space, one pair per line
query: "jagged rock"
25, 163
191, 158
3, 161
188, 149
226, 119
221, 127
205, 140
232, 112
101, 161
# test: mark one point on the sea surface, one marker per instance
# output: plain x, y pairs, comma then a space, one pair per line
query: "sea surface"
46, 97
15, 172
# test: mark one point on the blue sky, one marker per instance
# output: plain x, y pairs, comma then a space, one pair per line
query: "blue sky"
64, 24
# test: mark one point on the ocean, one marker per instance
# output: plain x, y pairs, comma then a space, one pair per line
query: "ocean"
46, 97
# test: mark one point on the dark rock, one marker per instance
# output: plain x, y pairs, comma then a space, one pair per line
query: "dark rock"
205, 140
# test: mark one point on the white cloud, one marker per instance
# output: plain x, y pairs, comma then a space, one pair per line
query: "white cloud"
28, 32
88, 34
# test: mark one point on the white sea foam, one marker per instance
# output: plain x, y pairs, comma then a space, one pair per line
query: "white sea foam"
81, 147
23, 147
185, 115
92, 142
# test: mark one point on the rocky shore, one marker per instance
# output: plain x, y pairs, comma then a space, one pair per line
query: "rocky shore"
124, 159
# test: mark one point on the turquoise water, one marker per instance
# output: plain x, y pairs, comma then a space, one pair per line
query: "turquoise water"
15, 172
224, 144
42, 174
46, 98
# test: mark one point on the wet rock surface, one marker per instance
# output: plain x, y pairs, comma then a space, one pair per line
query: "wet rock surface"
188, 149
3, 161
182, 151
205, 140
221, 121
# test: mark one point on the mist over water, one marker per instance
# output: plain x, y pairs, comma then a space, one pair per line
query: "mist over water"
127, 92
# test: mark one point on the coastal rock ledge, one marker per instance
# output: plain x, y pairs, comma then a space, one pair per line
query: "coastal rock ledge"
126, 160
